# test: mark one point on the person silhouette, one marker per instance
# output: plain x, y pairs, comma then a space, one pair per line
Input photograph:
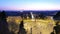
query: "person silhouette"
21, 28
3, 23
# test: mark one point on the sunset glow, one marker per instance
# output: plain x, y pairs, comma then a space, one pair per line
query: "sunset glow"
29, 5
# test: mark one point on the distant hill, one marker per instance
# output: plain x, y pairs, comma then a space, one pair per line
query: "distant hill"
57, 16
18, 13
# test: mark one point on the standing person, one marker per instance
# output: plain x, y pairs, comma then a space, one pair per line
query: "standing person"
3, 24
21, 28
57, 28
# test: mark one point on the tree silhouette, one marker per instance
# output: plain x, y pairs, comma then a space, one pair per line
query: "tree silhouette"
41, 16
57, 28
3, 23
57, 16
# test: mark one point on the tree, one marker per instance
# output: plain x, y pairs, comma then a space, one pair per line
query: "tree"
3, 24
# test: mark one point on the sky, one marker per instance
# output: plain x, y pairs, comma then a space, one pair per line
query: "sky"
29, 4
